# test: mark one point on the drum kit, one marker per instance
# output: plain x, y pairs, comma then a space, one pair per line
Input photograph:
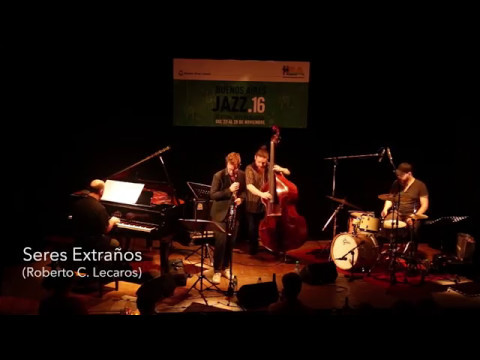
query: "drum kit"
360, 248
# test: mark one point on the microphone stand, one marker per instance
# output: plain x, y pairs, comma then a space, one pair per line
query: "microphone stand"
231, 283
394, 238
394, 241
231, 232
335, 163
391, 253
351, 277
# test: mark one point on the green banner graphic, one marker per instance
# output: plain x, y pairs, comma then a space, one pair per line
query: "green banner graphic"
281, 101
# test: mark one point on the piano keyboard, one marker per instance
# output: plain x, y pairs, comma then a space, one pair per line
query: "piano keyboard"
136, 227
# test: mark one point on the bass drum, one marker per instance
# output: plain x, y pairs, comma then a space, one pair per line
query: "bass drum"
365, 251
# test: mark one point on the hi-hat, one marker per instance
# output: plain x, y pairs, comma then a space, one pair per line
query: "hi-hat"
391, 197
344, 202
418, 216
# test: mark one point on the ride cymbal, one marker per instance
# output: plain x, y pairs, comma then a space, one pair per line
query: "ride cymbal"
418, 216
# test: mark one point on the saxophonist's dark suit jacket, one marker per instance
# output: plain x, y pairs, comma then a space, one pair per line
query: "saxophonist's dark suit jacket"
222, 195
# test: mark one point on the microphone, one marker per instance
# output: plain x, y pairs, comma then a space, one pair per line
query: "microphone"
389, 154
381, 154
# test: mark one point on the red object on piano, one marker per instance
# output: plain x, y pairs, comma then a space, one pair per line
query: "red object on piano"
160, 197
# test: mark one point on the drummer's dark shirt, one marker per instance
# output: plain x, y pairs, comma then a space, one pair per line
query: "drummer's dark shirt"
410, 200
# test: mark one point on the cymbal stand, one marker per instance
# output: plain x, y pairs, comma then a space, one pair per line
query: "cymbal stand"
333, 216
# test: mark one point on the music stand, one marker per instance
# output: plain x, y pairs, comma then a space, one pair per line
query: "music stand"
202, 226
201, 193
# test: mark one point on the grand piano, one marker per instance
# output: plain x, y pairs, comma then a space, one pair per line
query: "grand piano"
155, 213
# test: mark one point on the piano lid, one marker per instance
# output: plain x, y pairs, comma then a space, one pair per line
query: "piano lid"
127, 172
155, 192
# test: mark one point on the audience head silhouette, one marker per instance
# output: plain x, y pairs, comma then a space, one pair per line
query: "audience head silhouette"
60, 302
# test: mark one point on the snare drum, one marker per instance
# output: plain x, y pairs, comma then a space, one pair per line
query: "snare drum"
390, 229
365, 253
390, 221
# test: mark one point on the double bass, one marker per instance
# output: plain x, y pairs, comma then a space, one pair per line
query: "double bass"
283, 228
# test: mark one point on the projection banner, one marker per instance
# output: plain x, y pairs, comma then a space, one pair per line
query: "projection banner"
241, 93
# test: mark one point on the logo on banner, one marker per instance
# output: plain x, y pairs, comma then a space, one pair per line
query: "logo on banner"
293, 71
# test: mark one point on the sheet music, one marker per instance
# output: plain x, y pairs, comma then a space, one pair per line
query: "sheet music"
122, 192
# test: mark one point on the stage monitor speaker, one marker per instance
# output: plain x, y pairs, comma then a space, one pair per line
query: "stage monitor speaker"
259, 295
319, 273
465, 247
154, 290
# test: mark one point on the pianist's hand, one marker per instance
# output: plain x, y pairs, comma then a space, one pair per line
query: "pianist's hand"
115, 220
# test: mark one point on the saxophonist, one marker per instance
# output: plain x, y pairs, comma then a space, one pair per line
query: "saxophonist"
228, 191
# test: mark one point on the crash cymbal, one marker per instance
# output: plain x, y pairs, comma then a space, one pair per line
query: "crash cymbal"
418, 216
391, 197
344, 202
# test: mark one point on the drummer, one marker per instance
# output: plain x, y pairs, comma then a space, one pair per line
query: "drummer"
413, 199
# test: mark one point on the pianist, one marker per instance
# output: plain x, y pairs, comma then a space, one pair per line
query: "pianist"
91, 221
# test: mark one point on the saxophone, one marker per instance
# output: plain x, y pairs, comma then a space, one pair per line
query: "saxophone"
232, 211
